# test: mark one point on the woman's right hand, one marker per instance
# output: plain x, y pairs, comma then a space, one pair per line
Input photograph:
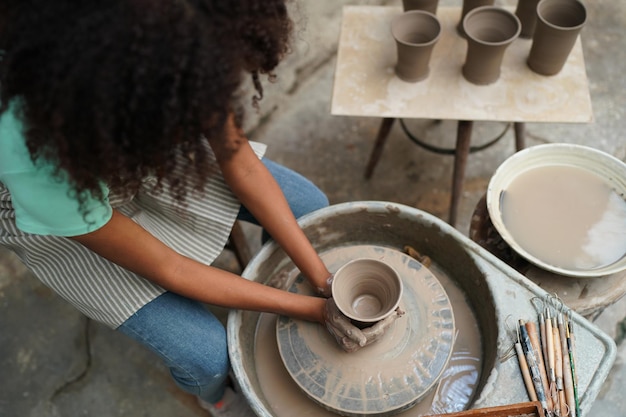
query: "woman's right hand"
347, 335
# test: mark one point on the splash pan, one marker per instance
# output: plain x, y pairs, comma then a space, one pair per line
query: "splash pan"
495, 293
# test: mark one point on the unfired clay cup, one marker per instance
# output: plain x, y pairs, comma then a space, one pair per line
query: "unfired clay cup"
489, 30
558, 24
367, 291
526, 12
427, 5
416, 32
468, 6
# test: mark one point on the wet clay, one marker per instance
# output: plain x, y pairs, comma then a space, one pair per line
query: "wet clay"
367, 305
453, 390
366, 290
566, 216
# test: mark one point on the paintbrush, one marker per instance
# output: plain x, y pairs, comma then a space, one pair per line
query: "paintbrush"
533, 367
558, 368
570, 352
533, 336
550, 348
523, 364
568, 383
542, 333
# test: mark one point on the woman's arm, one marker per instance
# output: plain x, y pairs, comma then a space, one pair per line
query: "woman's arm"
257, 190
127, 244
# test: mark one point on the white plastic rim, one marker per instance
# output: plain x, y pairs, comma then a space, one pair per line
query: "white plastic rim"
608, 167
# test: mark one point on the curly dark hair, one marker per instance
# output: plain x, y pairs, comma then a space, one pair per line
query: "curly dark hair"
113, 90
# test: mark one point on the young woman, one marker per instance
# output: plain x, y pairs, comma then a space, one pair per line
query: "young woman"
123, 168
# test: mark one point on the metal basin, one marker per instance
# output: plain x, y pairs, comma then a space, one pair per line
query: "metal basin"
497, 294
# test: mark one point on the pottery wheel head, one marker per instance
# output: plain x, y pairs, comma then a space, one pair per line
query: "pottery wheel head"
388, 376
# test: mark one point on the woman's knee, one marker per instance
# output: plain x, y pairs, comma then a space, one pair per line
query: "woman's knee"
190, 340
202, 373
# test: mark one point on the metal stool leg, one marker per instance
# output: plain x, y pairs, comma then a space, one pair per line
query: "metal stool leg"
520, 135
381, 138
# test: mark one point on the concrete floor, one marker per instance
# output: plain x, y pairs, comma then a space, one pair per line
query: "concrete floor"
54, 362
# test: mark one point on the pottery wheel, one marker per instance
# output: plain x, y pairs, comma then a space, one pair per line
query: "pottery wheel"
393, 373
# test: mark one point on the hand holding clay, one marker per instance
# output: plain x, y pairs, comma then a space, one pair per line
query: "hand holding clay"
347, 335
376, 331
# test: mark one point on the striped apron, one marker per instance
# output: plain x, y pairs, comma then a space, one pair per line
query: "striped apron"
103, 290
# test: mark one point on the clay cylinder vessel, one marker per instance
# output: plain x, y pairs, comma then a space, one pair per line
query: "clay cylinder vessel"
468, 6
559, 23
526, 12
415, 32
427, 5
366, 291
490, 30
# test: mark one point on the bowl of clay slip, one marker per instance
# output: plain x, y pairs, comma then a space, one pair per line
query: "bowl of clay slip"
563, 208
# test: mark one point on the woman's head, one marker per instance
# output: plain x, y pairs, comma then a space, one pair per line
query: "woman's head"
111, 89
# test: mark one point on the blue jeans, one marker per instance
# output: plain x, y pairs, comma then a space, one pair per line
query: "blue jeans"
184, 333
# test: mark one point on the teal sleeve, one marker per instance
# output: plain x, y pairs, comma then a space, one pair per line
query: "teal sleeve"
43, 203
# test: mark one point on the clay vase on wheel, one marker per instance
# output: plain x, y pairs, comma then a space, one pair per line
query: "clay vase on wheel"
559, 23
366, 291
490, 30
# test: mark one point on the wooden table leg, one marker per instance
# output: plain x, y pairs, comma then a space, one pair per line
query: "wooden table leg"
381, 138
520, 135
463, 137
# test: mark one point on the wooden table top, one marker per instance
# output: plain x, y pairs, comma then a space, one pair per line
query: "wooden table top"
365, 83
